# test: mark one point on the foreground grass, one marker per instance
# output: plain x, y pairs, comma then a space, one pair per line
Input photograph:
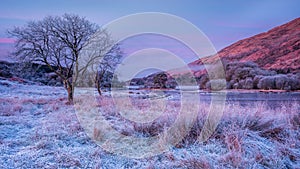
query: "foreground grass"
246, 137
38, 130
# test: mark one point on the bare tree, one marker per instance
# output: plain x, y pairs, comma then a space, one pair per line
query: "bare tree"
107, 66
56, 41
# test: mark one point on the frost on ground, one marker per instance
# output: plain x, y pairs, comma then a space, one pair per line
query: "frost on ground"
39, 130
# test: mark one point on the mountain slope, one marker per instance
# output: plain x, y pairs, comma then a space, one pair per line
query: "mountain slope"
278, 48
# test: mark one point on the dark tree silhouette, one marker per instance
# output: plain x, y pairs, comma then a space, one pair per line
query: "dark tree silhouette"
160, 80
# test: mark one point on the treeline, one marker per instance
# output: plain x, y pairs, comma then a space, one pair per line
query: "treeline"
161, 80
238, 75
40, 74
247, 75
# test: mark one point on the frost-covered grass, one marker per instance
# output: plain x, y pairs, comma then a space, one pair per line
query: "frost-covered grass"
39, 130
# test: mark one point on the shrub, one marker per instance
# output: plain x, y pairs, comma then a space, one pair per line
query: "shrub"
280, 81
267, 82
202, 81
293, 83
216, 84
245, 75
194, 163
256, 80
248, 83
285, 82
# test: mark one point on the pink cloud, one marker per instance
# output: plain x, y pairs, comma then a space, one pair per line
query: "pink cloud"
7, 40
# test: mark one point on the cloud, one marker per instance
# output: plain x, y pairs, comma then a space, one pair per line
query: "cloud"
7, 40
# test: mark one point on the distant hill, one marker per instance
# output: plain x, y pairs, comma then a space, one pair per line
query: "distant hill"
269, 60
276, 49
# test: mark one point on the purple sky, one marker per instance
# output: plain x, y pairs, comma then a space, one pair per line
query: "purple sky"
223, 22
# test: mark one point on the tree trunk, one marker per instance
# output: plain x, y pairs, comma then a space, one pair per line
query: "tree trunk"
99, 88
97, 84
70, 90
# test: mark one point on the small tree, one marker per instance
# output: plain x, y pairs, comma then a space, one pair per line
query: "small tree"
56, 41
160, 80
107, 66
